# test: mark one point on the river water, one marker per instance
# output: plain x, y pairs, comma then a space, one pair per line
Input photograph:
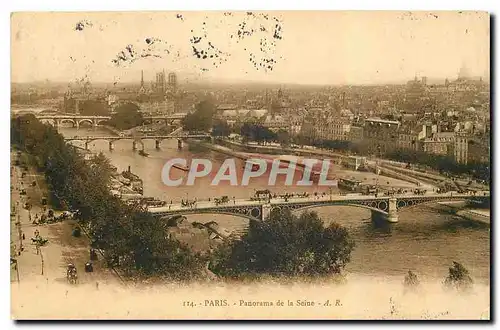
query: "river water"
426, 239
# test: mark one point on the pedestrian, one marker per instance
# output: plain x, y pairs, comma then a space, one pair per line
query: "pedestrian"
24, 237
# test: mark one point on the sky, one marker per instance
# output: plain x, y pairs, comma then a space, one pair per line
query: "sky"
305, 47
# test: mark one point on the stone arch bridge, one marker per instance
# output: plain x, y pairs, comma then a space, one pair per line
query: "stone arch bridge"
58, 119
76, 120
136, 140
385, 207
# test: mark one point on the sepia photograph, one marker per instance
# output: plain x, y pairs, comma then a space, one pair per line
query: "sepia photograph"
250, 165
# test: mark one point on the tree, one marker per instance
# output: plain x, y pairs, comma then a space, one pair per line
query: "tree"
302, 139
458, 278
257, 132
283, 137
285, 244
221, 128
411, 280
127, 116
201, 119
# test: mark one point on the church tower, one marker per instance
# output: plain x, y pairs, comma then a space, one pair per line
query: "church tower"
142, 90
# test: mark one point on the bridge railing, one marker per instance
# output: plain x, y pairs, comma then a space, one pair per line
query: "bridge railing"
202, 204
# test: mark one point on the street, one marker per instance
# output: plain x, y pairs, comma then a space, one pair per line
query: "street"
49, 266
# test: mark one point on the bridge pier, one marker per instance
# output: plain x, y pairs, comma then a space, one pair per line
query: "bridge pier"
392, 213
77, 124
86, 145
111, 146
265, 211
179, 144
157, 144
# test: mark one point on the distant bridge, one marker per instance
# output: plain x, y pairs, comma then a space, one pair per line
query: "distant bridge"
58, 119
384, 207
137, 140
168, 119
76, 120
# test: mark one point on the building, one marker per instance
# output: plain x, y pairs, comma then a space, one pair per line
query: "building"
478, 149
461, 147
307, 129
275, 123
160, 85
142, 89
415, 88
333, 129
172, 81
158, 107
440, 143
355, 133
408, 140
381, 135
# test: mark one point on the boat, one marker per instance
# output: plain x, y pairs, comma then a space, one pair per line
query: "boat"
143, 153
181, 167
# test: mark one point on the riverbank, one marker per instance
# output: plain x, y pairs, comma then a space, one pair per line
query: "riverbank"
475, 215
237, 150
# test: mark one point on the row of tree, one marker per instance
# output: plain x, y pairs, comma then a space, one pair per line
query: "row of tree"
128, 235
284, 244
201, 119
444, 164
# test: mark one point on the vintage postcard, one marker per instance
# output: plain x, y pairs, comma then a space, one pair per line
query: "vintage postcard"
250, 165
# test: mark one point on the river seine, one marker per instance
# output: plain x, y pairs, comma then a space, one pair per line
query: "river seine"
426, 239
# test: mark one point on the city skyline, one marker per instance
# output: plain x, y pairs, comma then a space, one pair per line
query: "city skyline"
365, 47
